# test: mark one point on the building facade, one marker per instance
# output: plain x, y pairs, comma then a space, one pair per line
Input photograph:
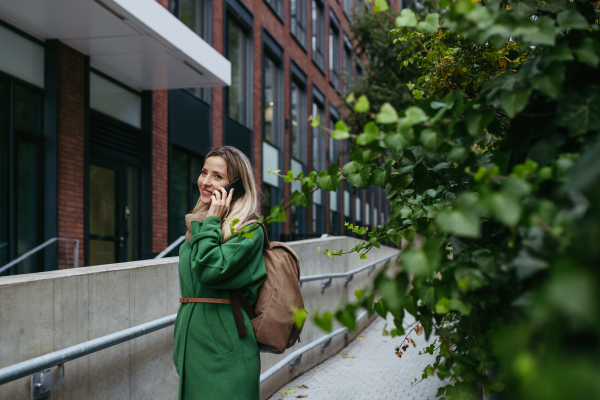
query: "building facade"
108, 108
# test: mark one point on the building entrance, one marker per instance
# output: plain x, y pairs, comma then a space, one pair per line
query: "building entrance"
113, 212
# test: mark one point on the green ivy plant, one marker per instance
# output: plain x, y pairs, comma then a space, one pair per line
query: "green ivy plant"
494, 178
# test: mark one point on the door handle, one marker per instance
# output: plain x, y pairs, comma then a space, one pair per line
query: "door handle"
126, 212
122, 240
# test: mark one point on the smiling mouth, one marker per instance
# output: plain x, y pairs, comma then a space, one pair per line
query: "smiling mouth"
206, 192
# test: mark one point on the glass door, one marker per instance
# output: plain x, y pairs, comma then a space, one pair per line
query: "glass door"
113, 212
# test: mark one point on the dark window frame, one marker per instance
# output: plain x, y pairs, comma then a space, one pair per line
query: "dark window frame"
303, 14
334, 51
347, 70
322, 38
237, 12
280, 14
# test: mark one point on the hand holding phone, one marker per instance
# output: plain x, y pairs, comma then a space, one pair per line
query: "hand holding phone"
238, 187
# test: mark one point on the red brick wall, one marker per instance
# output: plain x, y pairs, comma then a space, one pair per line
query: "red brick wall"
218, 92
71, 141
160, 170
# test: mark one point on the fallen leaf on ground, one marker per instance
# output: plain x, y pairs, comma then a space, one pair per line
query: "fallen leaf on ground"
360, 338
376, 345
303, 387
301, 395
350, 356
342, 354
289, 391
332, 367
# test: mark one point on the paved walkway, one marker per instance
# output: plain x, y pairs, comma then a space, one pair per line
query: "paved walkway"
368, 369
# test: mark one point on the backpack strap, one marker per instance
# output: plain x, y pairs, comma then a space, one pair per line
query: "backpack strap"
238, 301
249, 221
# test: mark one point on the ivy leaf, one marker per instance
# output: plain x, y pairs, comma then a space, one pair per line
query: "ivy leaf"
426, 293
387, 114
414, 115
300, 317
431, 23
341, 131
442, 306
328, 182
379, 177
571, 19
316, 121
380, 5
361, 178
289, 177
300, 199
407, 18
324, 321
587, 52
408, 234
513, 102
362, 105
551, 81
463, 220
430, 139
458, 305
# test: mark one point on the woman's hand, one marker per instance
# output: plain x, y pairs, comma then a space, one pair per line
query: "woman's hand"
219, 204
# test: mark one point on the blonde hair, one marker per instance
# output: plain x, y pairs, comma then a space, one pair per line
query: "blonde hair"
238, 166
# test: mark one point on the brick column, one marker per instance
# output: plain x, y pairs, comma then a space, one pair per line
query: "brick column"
71, 143
160, 170
218, 92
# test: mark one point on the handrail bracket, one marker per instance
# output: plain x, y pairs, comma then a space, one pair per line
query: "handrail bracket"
45, 381
325, 285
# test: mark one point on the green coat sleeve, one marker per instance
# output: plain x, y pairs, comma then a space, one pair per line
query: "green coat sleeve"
230, 265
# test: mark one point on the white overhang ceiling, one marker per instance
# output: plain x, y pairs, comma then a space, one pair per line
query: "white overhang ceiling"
138, 42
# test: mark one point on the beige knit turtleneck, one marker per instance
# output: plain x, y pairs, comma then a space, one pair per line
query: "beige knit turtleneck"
199, 216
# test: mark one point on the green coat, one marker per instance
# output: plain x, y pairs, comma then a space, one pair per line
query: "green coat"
212, 361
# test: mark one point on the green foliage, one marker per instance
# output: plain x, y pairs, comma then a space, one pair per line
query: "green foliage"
493, 175
490, 163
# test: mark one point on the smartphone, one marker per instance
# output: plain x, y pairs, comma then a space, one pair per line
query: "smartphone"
238, 189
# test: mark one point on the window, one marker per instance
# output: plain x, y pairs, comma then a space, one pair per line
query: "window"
367, 214
298, 134
348, 5
347, 65
298, 20
334, 146
318, 139
239, 97
183, 191
276, 6
196, 15
273, 106
298, 122
375, 217
357, 207
318, 33
334, 54
21, 181
347, 204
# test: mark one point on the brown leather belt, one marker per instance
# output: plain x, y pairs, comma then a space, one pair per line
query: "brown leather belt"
186, 300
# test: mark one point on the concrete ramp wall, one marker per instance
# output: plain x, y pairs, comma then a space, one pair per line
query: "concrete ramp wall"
49, 311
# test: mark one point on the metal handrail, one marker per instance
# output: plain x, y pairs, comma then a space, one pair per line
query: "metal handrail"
171, 247
37, 364
326, 278
298, 353
41, 246
34, 365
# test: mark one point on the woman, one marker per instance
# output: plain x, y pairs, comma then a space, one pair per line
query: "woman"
212, 361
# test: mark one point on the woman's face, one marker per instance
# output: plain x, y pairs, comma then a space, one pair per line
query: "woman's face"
213, 176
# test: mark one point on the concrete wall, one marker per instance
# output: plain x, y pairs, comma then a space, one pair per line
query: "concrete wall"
44, 312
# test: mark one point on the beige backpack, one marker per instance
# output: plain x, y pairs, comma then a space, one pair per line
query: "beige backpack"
278, 298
